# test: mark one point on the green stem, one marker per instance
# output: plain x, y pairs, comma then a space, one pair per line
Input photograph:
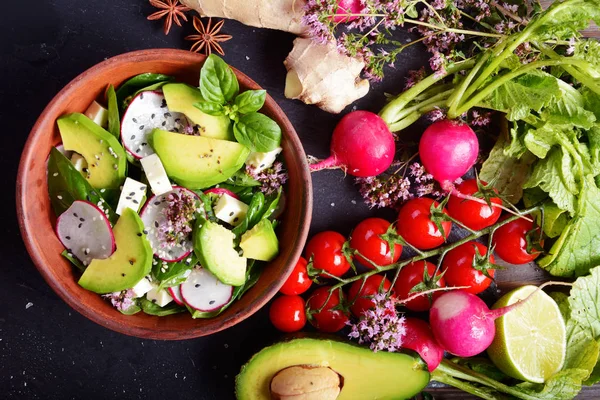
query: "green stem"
414, 116
462, 385
456, 97
501, 80
433, 99
573, 71
390, 111
431, 253
516, 42
454, 30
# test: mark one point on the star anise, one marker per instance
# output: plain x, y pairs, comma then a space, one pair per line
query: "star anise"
208, 38
171, 10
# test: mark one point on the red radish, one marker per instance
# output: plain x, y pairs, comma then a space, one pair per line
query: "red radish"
153, 217
419, 338
361, 145
463, 324
175, 293
448, 149
148, 110
222, 191
85, 232
347, 7
202, 291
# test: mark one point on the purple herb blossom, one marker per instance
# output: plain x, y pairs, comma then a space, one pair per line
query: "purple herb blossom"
382, 328
480, 118
179, 216
121, 300
271, 179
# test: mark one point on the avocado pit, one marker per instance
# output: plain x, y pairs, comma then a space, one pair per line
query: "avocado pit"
306, 382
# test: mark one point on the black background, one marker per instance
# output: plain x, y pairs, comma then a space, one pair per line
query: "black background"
49, 351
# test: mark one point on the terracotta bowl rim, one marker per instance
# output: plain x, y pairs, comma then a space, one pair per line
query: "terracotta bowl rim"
28, 153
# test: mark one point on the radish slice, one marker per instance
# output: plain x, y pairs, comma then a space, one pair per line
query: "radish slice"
202, 291
148, 110
85, 232
153, 216
175, 293
222, 191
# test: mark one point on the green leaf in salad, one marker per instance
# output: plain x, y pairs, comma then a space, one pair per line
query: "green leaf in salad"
591, 101
564, 385
175, 272
66, 184
241, 179
253, 215
583, 301
577, 250
257, 132
568, 108
210, 108
218, 83
141, 81
114, 120
271, 205
154, 309
250, 101
133, 309
73, 260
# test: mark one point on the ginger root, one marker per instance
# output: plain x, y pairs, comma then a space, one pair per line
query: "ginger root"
283, 15
303, 382
318, 74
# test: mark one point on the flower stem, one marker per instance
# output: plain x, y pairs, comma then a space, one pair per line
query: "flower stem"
453, 30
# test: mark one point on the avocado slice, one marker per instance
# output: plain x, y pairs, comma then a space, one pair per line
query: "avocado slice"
127, 265
181, 98
103, 153
197, 162
365, 374
213, 245
260, 242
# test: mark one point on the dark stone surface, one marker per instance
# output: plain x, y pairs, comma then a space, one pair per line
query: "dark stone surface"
49, 351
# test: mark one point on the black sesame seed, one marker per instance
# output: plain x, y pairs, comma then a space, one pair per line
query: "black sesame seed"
167, 114
87, 196
134, 120
211, 302
235, 219
197, 285
132, 194
139, 234
157, 203
144, 144
154, 300
164, 104
177, 119
68, 237
156, 224
145, 232
142, 188
231, 214
152, 116
122, 274
94, 193
142, 96
135, 201
76, 216
262, 165
164, 123
82, 219
138, 150
80, 225
141, 127
128, 198
132, 137
130, 262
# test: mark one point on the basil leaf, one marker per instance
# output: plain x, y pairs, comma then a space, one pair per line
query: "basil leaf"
240, 178
154, 309
66, 184
257, 132
176, 272
250, 101
210, 108
114, 123
218, 83
271, 206
252, 215
139, 82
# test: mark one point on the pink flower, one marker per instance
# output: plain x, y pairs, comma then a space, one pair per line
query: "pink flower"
121, 300
271, 179
179, 216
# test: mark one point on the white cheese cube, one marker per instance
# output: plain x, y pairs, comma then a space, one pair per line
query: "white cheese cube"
132, 194
98, 114
156, 174
141, 288
159, 297
261, 161
230, 210
78, 162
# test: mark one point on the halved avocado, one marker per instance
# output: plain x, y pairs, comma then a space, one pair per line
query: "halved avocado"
181, 98
260, 242
127, 265
197, 162
103, 153
364, 374
213, 245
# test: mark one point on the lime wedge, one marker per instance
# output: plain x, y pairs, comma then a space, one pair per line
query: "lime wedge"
530, 341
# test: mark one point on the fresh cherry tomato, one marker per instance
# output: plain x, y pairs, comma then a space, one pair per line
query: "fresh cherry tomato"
361, 294
298, 282
459, 271
328, 320
287, 313
365, 239
325, 248
411, 275
474, 215
416, 227
510, 242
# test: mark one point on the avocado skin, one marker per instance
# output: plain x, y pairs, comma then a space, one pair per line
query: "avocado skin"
365, 374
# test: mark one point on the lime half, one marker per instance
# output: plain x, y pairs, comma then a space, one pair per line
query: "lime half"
530, 342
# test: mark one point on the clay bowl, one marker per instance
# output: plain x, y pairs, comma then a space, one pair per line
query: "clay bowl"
36, 218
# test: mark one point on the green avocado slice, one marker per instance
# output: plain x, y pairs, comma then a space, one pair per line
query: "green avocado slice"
260, 243
197, 162
127, 265
107, 163
181, 98
366, 375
